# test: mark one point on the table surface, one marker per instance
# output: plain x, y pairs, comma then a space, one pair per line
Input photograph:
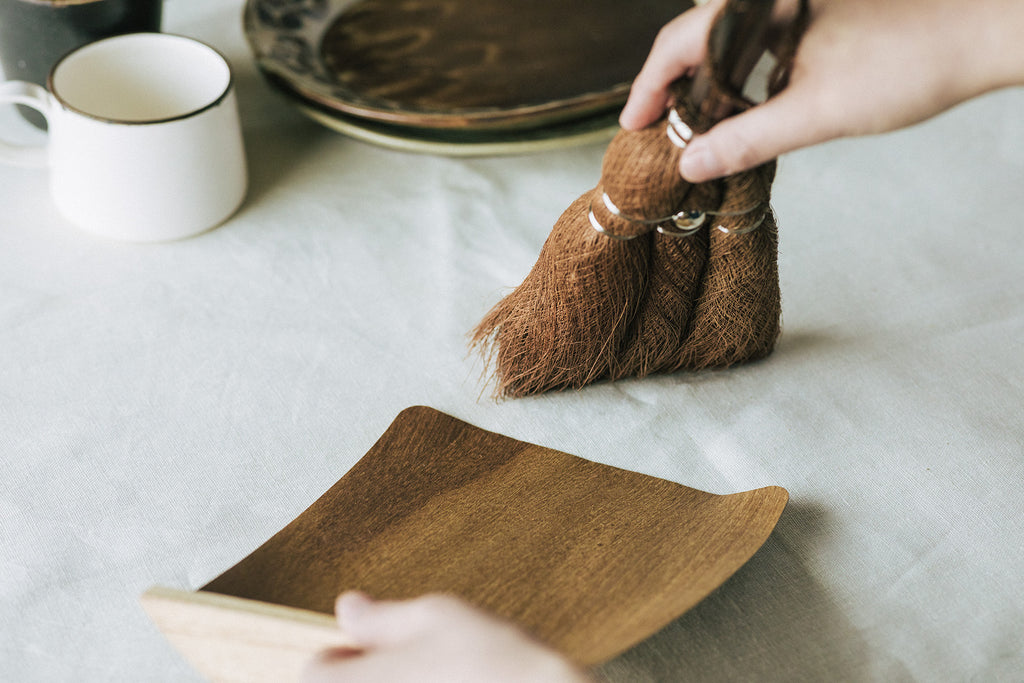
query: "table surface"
165, 408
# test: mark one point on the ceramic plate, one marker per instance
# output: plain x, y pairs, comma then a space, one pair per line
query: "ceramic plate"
471, 65
454, 142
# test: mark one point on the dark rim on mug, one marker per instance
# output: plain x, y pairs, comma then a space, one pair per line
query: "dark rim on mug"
50, 81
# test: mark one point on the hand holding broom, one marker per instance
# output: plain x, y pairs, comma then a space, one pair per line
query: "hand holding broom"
864, 67
635, 278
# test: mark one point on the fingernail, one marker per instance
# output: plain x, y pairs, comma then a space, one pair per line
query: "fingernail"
699, 163
626, 117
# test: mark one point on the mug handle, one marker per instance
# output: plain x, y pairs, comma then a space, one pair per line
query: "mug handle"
30, 95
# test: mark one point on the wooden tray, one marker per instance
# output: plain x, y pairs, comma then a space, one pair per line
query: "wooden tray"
589, 558
469, 64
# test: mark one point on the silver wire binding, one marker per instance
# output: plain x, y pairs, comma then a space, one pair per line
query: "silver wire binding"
749, 228
607, 233
688, 221
678, 132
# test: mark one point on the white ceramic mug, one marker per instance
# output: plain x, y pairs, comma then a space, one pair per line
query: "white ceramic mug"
144, 139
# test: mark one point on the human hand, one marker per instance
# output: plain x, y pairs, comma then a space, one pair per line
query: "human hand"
862, 67
434, 638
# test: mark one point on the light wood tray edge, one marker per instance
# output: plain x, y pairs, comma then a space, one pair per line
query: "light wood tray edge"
234, 639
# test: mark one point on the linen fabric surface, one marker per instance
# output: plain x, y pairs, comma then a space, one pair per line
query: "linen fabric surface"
164, 409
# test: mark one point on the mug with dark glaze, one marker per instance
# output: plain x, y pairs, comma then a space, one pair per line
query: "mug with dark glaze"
34, 34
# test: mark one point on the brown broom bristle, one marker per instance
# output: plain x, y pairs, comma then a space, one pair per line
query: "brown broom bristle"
565, 325
738, 311
594, 307
673, 282
561, 328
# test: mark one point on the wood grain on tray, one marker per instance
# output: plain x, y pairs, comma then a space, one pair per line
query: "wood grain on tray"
587, 557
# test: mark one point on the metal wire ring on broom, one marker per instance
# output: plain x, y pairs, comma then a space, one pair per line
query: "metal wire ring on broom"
687, 222
677, 131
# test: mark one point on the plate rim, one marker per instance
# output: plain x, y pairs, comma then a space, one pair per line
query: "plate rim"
307, 87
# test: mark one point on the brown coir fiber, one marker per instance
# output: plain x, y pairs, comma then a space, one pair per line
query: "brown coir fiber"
594, 307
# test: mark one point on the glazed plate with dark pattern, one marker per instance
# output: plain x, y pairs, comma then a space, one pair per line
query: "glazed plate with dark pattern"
469, 71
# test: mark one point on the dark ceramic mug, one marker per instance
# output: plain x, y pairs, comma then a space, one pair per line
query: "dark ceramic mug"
34, 34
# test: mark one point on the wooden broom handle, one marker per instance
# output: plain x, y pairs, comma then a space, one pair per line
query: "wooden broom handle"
737, 40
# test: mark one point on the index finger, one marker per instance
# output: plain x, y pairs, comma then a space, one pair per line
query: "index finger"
679, 47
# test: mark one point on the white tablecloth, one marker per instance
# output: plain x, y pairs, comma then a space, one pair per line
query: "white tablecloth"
165, 408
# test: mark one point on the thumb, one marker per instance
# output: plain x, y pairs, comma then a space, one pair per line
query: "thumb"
782, 124
370, 623
363, 619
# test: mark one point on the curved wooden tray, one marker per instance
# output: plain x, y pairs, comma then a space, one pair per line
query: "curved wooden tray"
470, 64
589, 558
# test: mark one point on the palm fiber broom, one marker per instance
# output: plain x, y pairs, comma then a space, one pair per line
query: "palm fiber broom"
647, 273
